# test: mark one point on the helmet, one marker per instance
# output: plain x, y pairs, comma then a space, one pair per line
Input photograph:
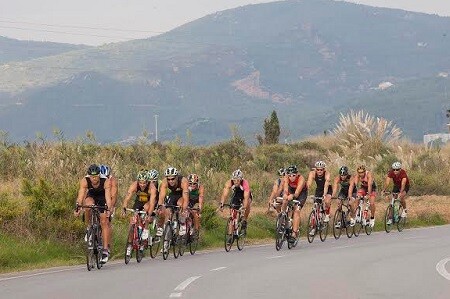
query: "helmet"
320, 164
396, 165
237, 174
281, 172
343, 170
105, 170
93, 170
361, 168
292, 169
171, 171
142, 175
153, 175
193, 178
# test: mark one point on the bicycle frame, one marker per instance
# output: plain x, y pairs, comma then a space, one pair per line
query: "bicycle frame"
316, 220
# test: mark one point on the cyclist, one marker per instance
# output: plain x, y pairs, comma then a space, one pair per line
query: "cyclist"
398, 176
241, 193
176, 188
196, 194
323, 185
145, 198
343, 180
96, 190
277, 191
153, 176
294, 189
365, 184
105, 171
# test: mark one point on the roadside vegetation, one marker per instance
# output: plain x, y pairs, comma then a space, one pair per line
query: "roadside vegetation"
39, 181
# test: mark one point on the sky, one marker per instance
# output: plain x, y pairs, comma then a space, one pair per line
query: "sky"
96, 22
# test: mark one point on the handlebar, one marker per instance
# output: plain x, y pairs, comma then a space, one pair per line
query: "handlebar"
141, 212
94, 207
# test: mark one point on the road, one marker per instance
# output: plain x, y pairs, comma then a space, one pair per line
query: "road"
411, 264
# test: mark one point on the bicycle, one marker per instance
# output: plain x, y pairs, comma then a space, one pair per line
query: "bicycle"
171, 237
154, 241
342, 220
363, 216
393, 214
137, 244
190, 239
94, 246
233, 230
284, 225
316, 221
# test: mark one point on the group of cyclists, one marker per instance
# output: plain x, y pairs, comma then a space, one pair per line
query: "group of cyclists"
152, 194
291, 185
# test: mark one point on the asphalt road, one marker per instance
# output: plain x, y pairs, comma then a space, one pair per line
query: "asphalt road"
411, 264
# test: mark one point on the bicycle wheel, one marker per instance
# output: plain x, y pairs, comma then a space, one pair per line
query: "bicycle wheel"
311, 231
323, 232
280, 231
154, 246
337, 224
99, 246
240, 242
193, 244
182, 242
358, 224
139, 250
348, 228
401, 220
388, 218
176, 241
167, 239
368, 228
229, 238
90, 256
129, 237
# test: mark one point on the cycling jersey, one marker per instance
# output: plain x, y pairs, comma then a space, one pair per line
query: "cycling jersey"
397, 179
238, 192
174, 193
345, 185
292, 186
320, 182
364, 183
97, 193
194, 195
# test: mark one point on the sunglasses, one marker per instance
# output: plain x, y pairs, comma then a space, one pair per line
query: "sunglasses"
361, 172
171, 179
292, 175
193, 184
319, 169
396, 169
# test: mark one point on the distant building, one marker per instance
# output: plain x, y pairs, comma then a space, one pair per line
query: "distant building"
385, 85
443, 137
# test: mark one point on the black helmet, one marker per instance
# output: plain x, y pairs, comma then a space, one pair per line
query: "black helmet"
93, 170
292, 169
281, 171
343, 170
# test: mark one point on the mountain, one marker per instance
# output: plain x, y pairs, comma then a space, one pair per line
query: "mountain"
308, 59
17, 50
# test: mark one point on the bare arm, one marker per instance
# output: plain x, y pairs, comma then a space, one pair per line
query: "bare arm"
403, 185
131, 190
327, 183
335, 186
201, 194
108, 194
185, 195
301, 185
387, 181
225, 192
114, 191
310, 179
369, 182
162, 192
353, 181
274, 192
82, 191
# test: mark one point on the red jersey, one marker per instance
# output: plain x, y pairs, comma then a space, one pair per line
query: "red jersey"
397, 178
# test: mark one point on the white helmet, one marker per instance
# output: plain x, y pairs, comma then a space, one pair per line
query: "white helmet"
153, 175
237, 174
320, 164
396, 165
171, 171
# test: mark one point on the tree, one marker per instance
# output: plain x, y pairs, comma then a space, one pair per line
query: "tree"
271, 130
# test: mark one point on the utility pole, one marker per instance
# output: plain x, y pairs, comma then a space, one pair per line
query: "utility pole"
156, 127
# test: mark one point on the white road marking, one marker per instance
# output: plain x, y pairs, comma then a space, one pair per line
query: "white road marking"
275, 257
218, 269
440, 267
175, 295
340, 247
37, 274
412, 238
185, 283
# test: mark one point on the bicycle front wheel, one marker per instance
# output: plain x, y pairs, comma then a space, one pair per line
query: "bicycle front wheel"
311, 231
154, 246
368, 228
90, 256
229, 238
193, 244
280, 231
348, 228
240, 242
323, 229
99, 246
167, 239
129, 237
388, 219
358, 224
337, 224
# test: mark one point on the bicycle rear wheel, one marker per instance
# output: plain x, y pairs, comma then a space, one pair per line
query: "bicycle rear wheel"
311, 226
193, 244
280, 231
154, 247
140, 250
358, 224
388, 218
167, 239
348, 228
240, 242
401, 220
229, 238
337, 224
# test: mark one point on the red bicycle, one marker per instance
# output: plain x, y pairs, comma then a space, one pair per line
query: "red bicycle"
234, 230
137, 243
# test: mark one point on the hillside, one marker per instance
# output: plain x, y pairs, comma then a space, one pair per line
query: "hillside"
303, 58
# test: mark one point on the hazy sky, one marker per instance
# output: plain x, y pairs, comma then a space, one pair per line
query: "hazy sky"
96, 22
